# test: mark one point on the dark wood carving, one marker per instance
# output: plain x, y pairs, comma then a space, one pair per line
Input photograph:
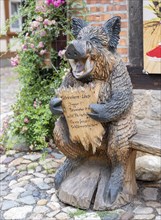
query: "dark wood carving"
95, 103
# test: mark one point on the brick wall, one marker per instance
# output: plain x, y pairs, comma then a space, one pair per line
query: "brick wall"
102, 10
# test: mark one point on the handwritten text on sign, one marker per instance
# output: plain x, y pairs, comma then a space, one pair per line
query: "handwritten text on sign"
75, 104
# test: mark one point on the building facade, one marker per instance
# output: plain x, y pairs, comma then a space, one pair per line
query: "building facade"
8, 41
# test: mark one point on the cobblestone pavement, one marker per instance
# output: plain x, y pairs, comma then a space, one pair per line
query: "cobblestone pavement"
9, 87
27, 183
27, 192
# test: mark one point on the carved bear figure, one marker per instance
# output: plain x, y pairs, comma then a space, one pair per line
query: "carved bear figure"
93, 57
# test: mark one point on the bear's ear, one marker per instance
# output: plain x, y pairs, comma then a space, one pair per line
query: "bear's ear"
77, 25
112, 28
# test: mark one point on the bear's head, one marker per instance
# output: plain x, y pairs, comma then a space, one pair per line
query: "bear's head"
92, 54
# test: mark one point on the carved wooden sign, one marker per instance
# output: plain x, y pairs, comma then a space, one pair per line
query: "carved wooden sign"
75, 104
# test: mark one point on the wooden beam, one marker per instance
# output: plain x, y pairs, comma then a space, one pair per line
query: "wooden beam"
140, 80
6, 8
135, 32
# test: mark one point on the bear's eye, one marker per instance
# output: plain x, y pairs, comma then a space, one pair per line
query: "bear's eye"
95, 40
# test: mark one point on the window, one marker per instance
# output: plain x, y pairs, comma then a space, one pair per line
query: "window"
16, 26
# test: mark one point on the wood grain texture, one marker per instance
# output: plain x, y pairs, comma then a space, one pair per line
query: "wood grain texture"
136, 32
147, 141
79, 187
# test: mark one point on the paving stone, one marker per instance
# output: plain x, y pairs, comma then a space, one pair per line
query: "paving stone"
32, 157
22, 167
26, 161
148, 168
38, 168
8, 204
39, 183
51, 191
12, 182
16, 162
150, 194
143, 210
30, 171
26, 193
3, 186
17, 190
57, 155
32, 166
11, 196
3, 176
3, 193
87, 216
54, 198
28, 200
41, 209
69, 209
2, 158
127, 215
36, 216
11, 153
153, 204
62, 216
3, 168
49, 164
42, 202
49, 180
36, 193
159, 211
158, 217
18, 212
20, 184
144, 217
40, 175
54, 206
10, 177
28, 177
17, 155
8, 160
52, 214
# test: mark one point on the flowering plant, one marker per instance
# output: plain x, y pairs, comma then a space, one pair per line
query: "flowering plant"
39, 76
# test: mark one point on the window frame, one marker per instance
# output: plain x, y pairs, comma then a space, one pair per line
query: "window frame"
15, 30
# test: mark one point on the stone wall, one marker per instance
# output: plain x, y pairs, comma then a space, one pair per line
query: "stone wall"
147, 108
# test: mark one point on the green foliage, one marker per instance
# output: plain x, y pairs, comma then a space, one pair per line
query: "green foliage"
78, 212
32, 117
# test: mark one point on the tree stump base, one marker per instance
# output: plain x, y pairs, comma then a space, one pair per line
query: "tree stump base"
85, 186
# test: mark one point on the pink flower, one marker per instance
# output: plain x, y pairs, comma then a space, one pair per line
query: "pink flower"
39, 18
56, 3
48, 2
42, 52
41, 45
47, 22
35, 24
61, 53
32, 46
15, 60
26, 120
43, 33
24, 47
40, 9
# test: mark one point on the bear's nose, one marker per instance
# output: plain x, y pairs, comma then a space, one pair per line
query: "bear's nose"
76, 50
72, 53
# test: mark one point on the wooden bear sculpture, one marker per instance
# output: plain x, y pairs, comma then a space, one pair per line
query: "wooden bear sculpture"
99, 170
